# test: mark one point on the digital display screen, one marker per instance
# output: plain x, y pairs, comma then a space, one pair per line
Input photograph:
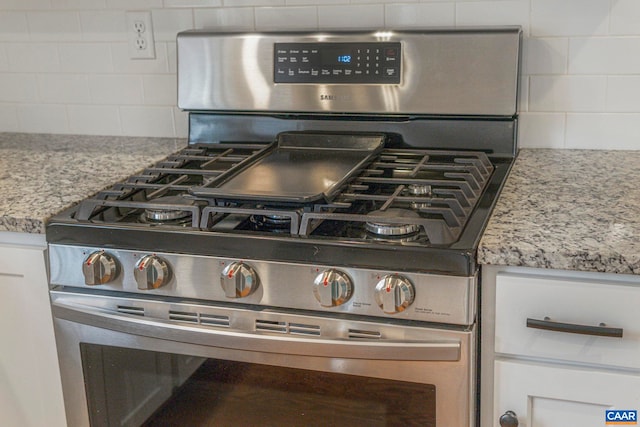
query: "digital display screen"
336, 56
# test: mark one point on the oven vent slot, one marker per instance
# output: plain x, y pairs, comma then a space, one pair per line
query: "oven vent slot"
183, 316
199, 318
361, 333
214, 320
302, 329
271, 326
287, 328
136, 311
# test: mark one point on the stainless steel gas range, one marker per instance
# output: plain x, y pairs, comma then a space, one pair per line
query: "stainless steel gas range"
309, 258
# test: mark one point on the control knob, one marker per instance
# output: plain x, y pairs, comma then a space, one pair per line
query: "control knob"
99, 268
332, 288
394, 293
238, 280
151, 272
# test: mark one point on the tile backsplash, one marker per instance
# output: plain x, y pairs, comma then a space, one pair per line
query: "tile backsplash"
65, 65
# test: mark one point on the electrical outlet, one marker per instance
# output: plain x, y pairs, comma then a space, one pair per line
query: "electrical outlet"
140, 35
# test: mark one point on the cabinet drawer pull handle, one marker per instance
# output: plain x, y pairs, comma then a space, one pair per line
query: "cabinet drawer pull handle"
549, 325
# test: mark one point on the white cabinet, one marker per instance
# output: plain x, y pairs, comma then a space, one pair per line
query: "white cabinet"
555, 395
30, 388
559, 348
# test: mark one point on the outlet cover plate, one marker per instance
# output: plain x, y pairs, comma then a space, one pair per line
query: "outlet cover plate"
140, 35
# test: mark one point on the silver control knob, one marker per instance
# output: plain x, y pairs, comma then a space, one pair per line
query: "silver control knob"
394, 293
151, 272
332, 288
99, 268
238, 280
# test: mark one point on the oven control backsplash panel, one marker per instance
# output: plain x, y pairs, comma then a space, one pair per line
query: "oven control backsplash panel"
466, 73
357, 291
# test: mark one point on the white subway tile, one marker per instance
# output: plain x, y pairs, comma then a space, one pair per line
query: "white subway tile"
160, 89
116, 89
18, 87
314, 2
353, 16
63, 88
613, 55
94, 120
192, 3
9, 118
28, 57
107, 26
13, 26
545, 55
419, 15
85, 57
603, 131
54, 26
181, 120
541, 130
286, 18
168, 22
26, 4
239, 3
228, 18
122, 63
625, 17
40, 118
623, 94
133, 4
523, 93
569, 17
4, 61
79, 4
172, 56
567, 93
147, 121
502, 12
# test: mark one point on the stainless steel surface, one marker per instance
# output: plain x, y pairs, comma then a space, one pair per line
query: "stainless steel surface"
435, 356
394, 293
469, 72
332, 288
438, 298
99, 268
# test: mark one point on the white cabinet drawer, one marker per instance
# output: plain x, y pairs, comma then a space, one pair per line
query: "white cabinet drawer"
561, 396
522, 301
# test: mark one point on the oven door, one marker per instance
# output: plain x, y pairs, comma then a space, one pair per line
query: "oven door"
132, 361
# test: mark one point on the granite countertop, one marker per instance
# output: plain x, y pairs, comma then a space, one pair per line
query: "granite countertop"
44, 174
568, 209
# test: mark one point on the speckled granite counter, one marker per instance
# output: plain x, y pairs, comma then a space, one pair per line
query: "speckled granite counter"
44, 174
568, 209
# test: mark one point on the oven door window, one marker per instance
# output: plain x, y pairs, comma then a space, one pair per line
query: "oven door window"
127, 387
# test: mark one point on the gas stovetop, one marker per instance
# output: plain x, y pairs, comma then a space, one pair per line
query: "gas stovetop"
404, 196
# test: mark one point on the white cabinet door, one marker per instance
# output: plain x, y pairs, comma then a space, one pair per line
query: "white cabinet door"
30, 388
559, 395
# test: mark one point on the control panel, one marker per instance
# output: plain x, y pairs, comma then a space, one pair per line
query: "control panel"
356, 63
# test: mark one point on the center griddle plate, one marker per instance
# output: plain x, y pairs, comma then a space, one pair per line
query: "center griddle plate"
303, 167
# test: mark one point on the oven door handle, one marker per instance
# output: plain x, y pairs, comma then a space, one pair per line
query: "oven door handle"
436, 350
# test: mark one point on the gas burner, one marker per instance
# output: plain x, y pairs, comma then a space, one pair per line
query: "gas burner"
163, 215
271, 222
393, 230
419, 190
